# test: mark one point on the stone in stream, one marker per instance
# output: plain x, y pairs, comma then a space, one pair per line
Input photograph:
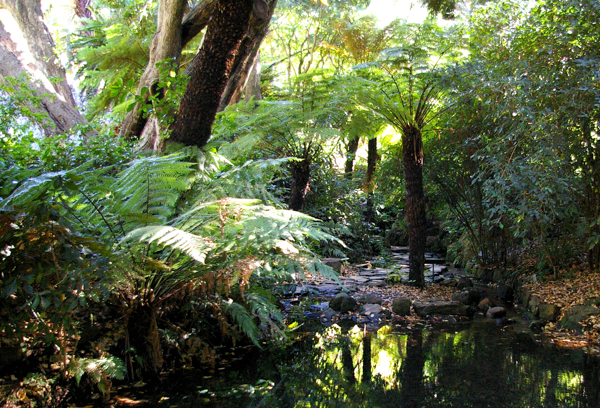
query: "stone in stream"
506, 292
464, 282
343, 302
371, 309
401, 306
485, 304
442, 307
496, 312
370, 298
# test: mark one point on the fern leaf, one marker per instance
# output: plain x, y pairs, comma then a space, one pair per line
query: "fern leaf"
194, 246
243, 320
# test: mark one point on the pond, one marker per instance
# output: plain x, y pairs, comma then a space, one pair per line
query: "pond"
477, 364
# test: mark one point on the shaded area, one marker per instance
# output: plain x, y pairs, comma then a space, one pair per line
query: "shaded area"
475, 365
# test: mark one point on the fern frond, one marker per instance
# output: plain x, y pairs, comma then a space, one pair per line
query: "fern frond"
31, 190
151, 186
243, 320
194, 246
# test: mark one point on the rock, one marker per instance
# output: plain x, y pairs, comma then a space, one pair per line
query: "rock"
377, 283
441, 307
549, 312
342, 302
462, 297
464, 282
595, 301
475, 295
534, 304
537, 325
334, 263
572, 318
496, 312
371, 309
401, 306
485, 304
506, 292
370, 298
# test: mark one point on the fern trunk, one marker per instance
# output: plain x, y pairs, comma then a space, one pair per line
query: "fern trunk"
412, 147
350, 156
142, 329
300, 182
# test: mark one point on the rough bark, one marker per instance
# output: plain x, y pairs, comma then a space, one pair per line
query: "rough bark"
300, 183
372, 158
166, 43
412, 157
248, 52
31, 52
211, 71
196, 20
351, 150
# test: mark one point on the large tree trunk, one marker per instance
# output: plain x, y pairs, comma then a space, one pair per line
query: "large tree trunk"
31, 52
412, 152
248, 52
211, 71
300, 183
351, 150
166, 43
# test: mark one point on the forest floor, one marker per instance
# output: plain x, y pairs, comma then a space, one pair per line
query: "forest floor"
571, 287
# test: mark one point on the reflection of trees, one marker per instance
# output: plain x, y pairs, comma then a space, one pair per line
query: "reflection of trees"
412, 389
474, 367
367, 366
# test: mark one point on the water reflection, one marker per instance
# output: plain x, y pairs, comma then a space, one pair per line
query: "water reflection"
481, 366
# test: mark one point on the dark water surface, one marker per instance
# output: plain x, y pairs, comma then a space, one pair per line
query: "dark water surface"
476, 365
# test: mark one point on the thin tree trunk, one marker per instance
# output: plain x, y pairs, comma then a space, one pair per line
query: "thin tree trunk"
412, 146
351, 150
31, 53
211, 71
252, 89
300, 183
166, 43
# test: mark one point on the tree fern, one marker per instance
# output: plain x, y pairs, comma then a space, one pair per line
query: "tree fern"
242, 319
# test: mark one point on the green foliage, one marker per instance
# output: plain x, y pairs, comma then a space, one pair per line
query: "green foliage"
100, 371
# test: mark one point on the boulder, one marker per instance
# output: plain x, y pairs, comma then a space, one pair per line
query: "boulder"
463, 297
496, 312
572, 318
549, 312
342, 302
371, 309
370, 298
595, 301
537, 326
401, 306
464, 282
441, 307
534, 304
485, 304
506, 292
334, 263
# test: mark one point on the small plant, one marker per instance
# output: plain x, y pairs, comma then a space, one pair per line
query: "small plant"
101, 371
